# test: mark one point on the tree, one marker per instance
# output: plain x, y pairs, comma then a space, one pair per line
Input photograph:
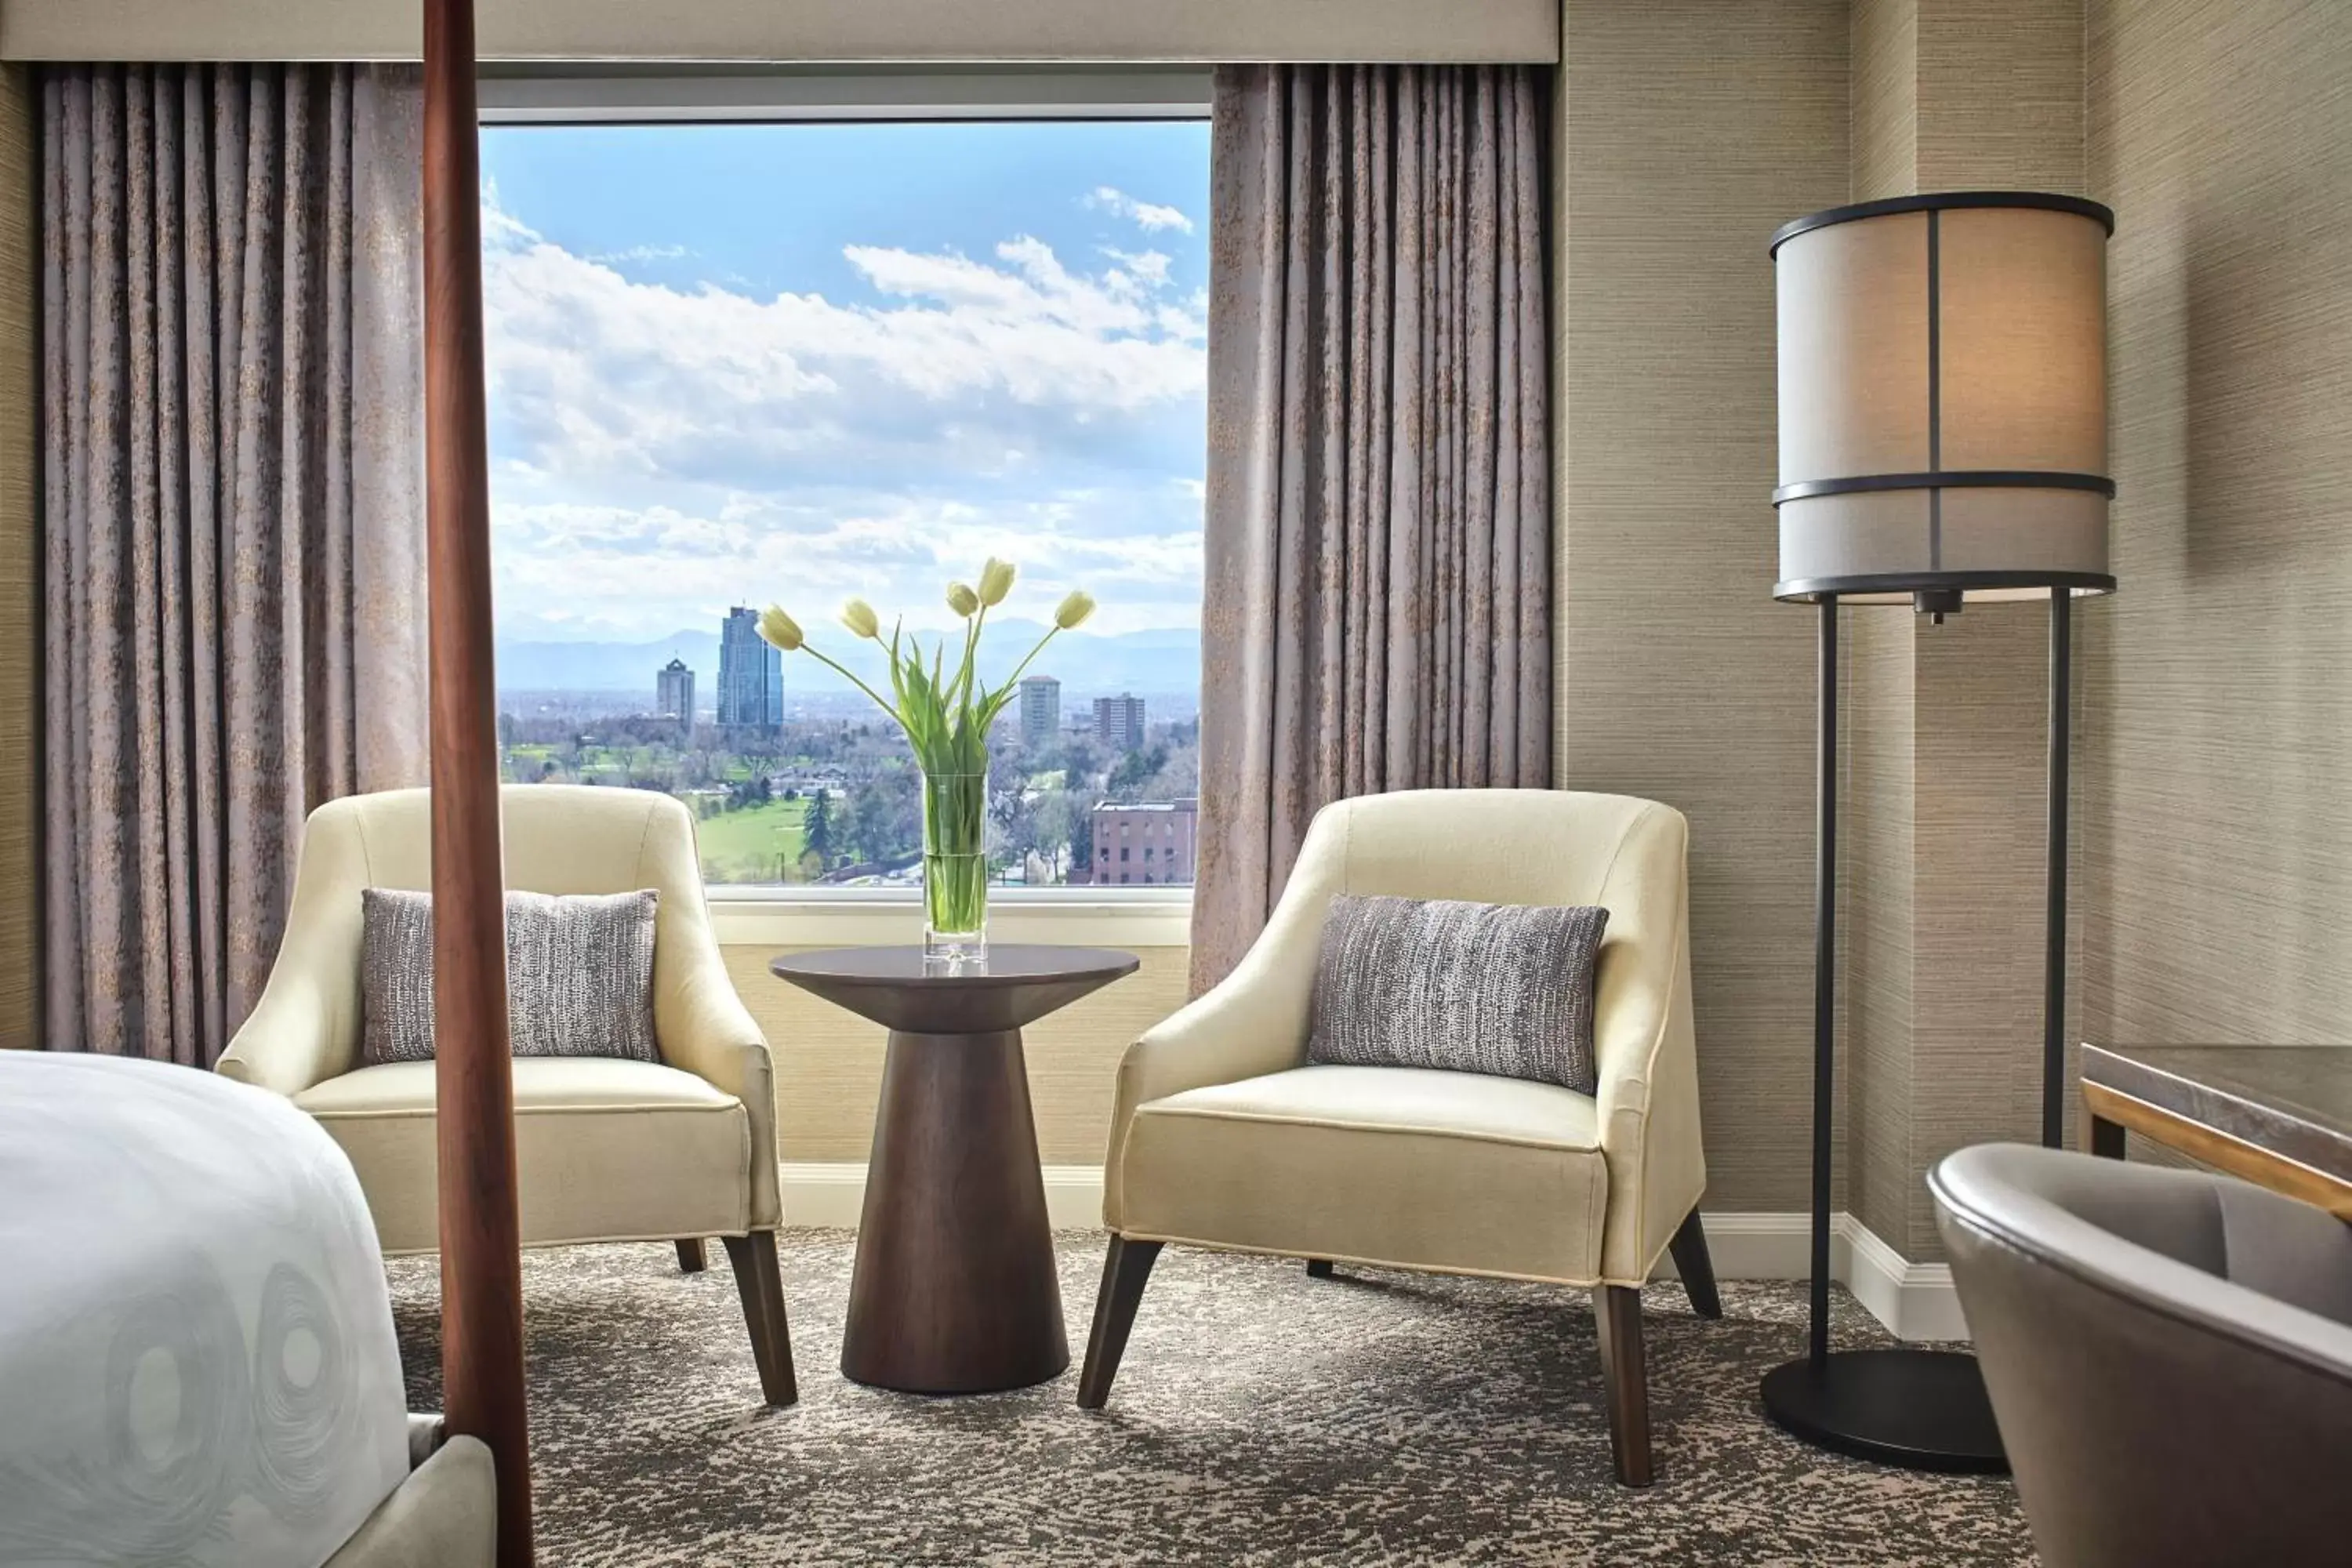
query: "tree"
817, 830
1058, 818
886, 818
1135, 768
1016, 828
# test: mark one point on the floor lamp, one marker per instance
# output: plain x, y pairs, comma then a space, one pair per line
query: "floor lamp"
1943, 441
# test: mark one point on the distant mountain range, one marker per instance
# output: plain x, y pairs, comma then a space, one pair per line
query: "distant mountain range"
1146, 663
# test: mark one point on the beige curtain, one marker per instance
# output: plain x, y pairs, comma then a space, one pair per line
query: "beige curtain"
232, 441
1378, 610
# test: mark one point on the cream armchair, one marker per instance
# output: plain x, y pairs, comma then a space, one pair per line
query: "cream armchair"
605, 1150
1223, 1136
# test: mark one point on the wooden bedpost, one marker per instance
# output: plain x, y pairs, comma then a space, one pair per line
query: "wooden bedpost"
481, 1257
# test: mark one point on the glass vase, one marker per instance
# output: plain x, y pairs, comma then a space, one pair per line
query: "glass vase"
955, 869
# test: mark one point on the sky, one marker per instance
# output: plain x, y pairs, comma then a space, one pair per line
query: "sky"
732, 364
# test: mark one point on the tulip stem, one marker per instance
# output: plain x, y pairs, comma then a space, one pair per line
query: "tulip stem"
817, 653
1015, 679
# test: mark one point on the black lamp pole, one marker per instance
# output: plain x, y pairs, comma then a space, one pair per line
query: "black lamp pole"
1920, 1409
2054, 953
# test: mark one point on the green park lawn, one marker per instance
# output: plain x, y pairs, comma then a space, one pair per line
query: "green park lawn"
757, 843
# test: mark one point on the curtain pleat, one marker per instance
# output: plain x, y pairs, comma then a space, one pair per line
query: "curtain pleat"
1378, 598
233, 453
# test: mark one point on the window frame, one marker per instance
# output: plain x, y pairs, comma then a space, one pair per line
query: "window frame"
521, 94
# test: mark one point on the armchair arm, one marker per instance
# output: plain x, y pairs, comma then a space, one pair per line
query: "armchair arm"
1647, 1096
306, 1028
1246, 1025
1253, 1022
289, 1042
705, 1030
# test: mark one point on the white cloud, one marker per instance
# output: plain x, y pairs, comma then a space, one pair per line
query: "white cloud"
1147, 268
644, 253
664, 451
592, 372
1143, 214
615, 571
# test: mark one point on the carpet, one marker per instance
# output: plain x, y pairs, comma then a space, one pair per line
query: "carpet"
1260, 1416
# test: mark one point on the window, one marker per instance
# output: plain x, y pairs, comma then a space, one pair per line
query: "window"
737, 363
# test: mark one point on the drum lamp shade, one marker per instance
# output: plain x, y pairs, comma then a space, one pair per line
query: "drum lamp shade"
1943, 400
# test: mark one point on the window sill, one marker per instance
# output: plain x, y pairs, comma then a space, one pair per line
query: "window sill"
1102, 916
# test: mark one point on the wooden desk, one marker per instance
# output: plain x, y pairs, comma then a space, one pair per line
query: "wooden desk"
2279, 1116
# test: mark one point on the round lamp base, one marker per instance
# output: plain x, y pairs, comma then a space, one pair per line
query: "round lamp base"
1921, 1410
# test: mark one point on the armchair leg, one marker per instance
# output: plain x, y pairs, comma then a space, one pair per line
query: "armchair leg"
1125, 1267
760, 1283
1319, 1268
1617, 1313
1698, 1269
691, 1257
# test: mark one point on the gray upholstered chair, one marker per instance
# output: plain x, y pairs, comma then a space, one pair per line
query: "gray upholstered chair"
2169, 1354
1223, 1135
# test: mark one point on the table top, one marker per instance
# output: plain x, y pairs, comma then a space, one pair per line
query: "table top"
2294, 1100
898, 988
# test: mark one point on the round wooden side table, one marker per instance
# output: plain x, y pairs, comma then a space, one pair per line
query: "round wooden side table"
954, 1289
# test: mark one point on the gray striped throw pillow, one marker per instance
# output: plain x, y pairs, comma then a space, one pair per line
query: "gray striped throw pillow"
580, 975
1504, 989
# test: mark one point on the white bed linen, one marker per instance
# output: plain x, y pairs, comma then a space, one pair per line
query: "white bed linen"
196, 1354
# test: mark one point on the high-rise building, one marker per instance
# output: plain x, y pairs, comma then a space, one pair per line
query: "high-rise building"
674, 692
1040, 710
751, 674
1118, 722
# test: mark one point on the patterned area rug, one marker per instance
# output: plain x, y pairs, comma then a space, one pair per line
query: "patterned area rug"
1260, 1417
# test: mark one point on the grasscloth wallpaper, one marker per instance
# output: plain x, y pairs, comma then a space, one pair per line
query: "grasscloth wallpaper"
1688, 131
1943, 881
1998, 103
2218, 742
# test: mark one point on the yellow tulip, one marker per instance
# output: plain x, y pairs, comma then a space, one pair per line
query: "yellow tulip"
860, 618
995, 581
961, 599
1072, 610
780, 628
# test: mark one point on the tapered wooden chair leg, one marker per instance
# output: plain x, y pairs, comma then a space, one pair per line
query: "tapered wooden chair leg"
760, 1282
1698, 1269
691, 1257
1617, 1312
1319, 1268
1125, 1267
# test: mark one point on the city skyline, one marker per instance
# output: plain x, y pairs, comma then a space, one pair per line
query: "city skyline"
1115, 719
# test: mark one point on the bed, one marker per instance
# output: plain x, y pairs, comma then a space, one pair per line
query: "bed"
196, 1354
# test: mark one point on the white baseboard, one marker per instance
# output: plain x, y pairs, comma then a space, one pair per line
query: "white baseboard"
1914, 1301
